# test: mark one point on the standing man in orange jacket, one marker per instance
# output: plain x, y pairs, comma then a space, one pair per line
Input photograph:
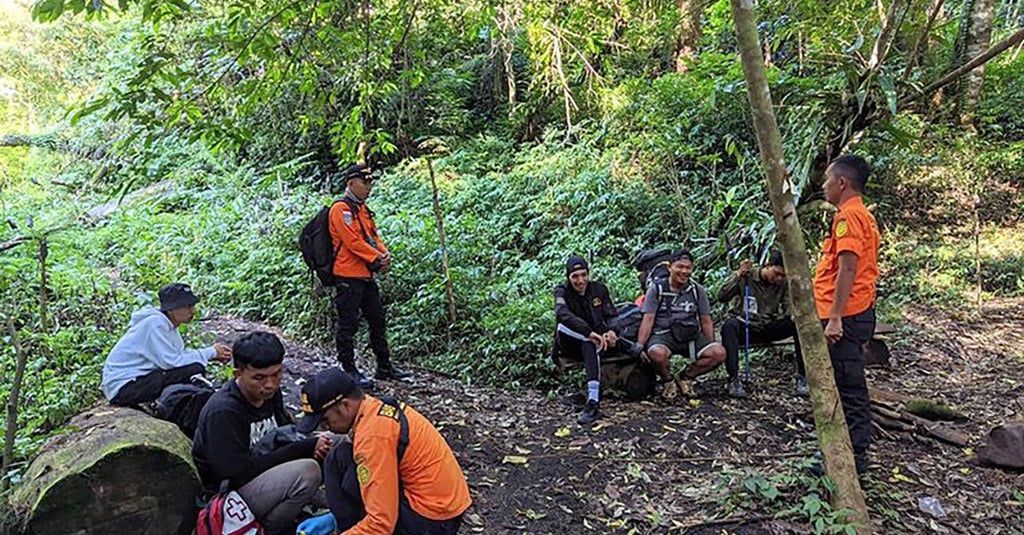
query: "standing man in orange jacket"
394, 473
360, 254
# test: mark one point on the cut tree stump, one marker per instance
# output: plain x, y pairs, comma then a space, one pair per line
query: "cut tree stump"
117, 471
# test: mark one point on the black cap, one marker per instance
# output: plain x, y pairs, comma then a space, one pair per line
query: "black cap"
575, 263
176, 295
775, 259
358, 170
321, 391
681, 254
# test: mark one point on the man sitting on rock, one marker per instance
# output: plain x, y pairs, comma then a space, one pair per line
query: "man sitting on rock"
677, 313
152, 354
275, 485
583, 310
767, 306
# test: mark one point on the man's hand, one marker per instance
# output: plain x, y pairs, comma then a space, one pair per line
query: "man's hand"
744, 269
610, 338
644, 357
223, 353
385, 260
598, 341
323, 447
833, 330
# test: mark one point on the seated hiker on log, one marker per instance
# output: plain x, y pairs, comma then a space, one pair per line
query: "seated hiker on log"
767, 306
275, 485
152, 354
394, 472
677, 312
583, 310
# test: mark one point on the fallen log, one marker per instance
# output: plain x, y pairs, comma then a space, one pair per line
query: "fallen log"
893, 411
118, 471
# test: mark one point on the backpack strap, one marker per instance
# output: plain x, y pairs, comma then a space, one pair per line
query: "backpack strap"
403, 424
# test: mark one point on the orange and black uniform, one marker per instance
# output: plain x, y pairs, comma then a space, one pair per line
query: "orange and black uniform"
370, 492
360, 248
854, 230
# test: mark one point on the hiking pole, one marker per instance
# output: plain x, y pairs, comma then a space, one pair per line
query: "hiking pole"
746, 327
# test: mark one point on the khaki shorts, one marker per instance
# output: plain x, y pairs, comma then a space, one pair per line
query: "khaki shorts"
700, 344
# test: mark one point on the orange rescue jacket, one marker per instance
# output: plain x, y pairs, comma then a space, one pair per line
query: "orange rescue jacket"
357, 234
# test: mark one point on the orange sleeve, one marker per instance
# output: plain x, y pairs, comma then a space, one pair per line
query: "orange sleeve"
375, 450
849, 232
346, 225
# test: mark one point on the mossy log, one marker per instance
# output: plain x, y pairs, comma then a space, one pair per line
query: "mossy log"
116, 471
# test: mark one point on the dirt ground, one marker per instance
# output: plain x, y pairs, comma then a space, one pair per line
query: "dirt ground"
710, 465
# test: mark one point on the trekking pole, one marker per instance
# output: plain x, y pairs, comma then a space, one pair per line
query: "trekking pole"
746, 327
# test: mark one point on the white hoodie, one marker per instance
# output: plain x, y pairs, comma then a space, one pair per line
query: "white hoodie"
152, 342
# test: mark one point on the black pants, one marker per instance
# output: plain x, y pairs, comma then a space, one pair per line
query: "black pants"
346, 503
352, 297
848, 362
574, 349
149, 386
734, 337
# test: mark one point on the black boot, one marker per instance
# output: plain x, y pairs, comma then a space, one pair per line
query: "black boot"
590, 413
391, 372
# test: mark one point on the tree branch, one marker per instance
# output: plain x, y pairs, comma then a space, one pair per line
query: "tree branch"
980, 59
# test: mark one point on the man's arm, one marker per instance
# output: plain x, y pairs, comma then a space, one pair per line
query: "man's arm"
378, 483
160, 351
731, 288
707, 326
844, 284
646, 326
565, 316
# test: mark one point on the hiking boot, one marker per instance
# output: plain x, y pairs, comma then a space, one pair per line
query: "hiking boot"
200, 380
736, 389
686, 388
802, 389
362, 381
590, 413
391, 372
669, 390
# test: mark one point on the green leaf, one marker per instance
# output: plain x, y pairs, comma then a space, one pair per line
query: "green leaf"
889, 89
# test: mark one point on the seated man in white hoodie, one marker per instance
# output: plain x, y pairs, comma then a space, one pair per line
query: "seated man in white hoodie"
152, 354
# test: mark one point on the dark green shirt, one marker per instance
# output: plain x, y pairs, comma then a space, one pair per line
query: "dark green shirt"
769, 301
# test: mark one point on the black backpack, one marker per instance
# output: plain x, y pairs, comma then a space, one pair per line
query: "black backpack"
652, 266
318, 251
181, 405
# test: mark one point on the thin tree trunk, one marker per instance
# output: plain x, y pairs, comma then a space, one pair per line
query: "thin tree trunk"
444, 249
830, 422
12, 401
979, 35
922, 41
44, 321
688, 34
977, 249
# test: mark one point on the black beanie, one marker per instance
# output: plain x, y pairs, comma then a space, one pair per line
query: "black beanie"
575, 263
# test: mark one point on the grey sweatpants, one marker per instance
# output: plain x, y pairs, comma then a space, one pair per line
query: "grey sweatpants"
278, 494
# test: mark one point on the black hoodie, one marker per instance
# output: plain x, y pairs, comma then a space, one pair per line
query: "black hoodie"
587, 313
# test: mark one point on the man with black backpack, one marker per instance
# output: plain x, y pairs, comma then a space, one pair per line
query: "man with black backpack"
394, 473
677, 316
359, 254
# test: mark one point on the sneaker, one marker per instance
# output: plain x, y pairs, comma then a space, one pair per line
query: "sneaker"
802, 389
362, 381
669, 391
200, 380
391, 372
736, 389
590, 413
686, 388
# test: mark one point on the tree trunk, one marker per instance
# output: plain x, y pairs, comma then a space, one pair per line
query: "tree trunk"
12, 401
120, 471
830, 422
688, 35
439, 217
979, 35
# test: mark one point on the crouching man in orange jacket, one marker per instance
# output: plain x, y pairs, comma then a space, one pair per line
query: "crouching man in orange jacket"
396, 474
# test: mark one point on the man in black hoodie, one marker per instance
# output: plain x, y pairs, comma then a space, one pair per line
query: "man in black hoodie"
583, 310
247, 408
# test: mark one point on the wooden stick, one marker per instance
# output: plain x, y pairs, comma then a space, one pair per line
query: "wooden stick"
12, 401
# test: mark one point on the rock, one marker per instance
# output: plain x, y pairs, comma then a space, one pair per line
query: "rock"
117, 471
1004, 446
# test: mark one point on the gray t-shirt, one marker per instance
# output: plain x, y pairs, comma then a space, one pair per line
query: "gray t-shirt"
684, 307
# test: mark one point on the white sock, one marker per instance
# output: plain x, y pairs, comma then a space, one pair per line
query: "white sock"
594, 390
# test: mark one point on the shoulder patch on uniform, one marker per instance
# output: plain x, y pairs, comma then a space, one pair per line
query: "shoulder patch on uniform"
388, 411
347, 216
597, 302
842, 229
363, 474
